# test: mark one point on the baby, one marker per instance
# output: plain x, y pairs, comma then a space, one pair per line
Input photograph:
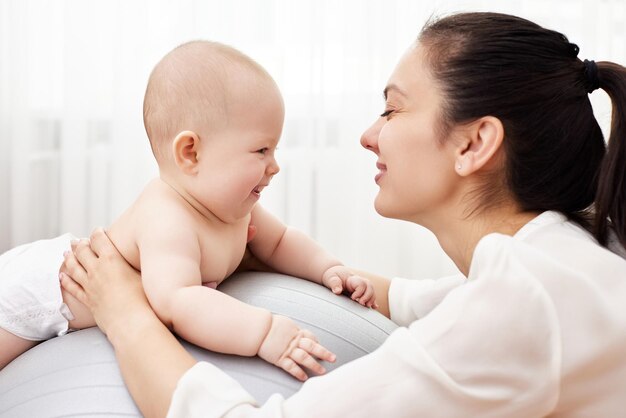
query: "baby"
214, 118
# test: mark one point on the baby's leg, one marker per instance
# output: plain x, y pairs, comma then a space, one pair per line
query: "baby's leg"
32, 305
12, 346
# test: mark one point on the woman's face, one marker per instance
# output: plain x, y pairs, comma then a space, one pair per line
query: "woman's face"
416, 169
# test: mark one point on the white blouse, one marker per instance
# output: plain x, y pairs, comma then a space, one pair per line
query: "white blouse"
538, 328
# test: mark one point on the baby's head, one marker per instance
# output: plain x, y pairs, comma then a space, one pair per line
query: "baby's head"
193, 87
213, 114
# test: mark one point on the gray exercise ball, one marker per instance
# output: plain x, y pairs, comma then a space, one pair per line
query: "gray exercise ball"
77, 375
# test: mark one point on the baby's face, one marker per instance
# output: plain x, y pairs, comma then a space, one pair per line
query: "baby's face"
238, 162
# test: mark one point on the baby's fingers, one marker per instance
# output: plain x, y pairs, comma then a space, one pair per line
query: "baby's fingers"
335, 285
302, 358
290, 366
316, 349
359, 291
369, 297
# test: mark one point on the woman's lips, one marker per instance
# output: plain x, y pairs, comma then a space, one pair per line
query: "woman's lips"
383, 169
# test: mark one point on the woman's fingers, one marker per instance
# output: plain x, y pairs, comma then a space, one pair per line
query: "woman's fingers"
85, 256
101, 244
73, 288
72, 268
72, 276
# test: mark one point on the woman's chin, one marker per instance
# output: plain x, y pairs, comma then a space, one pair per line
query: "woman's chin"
382, 208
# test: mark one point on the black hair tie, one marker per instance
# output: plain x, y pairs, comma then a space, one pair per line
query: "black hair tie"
591, 74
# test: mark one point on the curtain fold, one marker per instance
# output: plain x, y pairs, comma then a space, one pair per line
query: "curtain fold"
73, 72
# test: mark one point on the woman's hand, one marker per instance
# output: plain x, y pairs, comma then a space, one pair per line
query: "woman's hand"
98, 276
152, 361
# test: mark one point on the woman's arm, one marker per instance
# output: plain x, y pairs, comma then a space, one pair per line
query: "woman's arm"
151, 359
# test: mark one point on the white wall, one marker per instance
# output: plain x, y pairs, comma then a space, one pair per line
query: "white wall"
72, 76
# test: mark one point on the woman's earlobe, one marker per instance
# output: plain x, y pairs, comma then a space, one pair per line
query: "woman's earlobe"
484, 138
464, 165
185, 150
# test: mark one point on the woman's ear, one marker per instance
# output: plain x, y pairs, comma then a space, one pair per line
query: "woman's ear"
185, 150
481, 140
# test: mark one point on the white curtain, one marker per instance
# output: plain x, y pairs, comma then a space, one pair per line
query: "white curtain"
72, 75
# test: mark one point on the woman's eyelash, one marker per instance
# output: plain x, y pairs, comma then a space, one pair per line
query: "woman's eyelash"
386, 113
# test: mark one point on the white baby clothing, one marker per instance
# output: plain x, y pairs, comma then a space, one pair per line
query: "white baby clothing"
31, 305
537, 329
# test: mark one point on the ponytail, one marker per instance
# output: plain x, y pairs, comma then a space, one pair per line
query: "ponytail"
610, 200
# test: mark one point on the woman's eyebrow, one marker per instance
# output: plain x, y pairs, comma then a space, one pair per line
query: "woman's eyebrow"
393, 87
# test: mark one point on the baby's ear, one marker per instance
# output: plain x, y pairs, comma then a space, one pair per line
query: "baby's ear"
185, 149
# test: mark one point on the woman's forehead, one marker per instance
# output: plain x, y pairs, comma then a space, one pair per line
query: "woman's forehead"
411, 77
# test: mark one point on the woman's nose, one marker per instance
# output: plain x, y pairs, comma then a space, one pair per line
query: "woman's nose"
369, 139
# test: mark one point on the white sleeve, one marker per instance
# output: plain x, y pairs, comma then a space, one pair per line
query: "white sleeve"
490, 349
413, 299
206, 391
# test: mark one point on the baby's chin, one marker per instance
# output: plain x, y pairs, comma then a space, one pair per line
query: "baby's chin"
235, 215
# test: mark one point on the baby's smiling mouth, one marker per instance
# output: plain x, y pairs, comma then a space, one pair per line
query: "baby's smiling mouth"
258, 189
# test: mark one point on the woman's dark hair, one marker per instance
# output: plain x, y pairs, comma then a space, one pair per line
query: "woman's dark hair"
530, 78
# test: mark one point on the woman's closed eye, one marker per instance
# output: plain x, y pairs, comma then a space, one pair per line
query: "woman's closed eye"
386, 113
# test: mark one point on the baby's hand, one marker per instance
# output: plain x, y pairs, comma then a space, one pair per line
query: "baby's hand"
340, 278
289, 347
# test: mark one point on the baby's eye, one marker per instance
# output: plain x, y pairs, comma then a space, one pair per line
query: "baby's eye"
262, 150
386, 113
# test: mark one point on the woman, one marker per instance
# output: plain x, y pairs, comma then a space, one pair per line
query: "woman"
488, 139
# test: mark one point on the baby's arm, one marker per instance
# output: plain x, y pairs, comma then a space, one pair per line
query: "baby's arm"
170, 271
293, 252
170, 264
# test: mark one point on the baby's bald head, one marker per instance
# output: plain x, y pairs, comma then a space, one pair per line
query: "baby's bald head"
191, 88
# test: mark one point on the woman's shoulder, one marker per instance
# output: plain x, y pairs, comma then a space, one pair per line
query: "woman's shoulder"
546, 245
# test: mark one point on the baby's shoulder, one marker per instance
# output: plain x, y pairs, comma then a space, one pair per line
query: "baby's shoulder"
155, 209
159, 200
